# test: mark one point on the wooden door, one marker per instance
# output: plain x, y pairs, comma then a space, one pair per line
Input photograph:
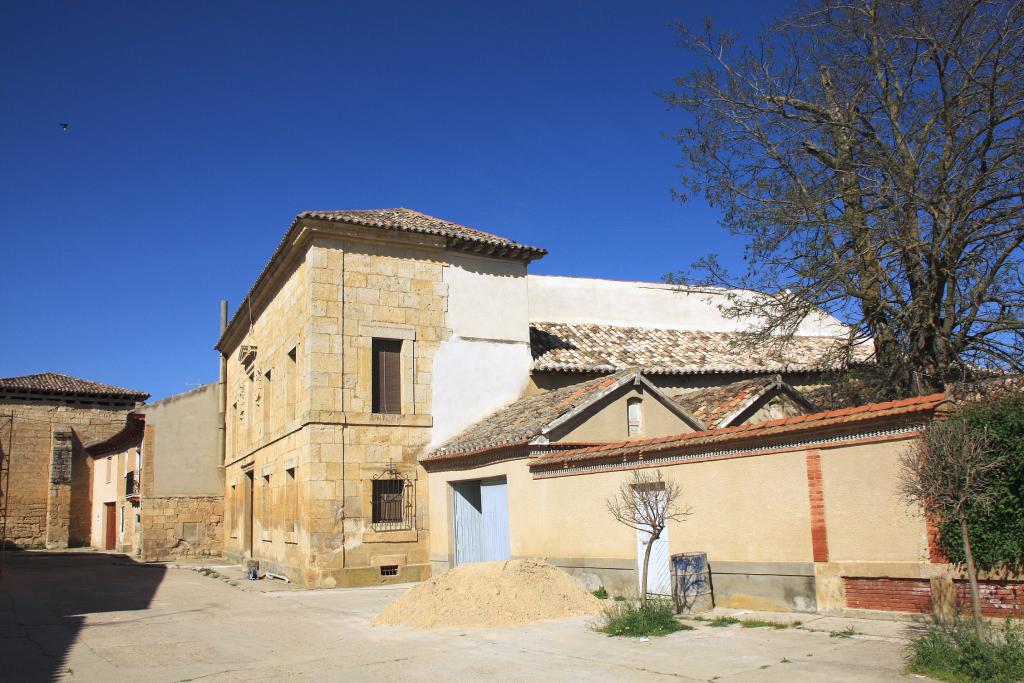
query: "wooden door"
468, 521
111, 526
494, 505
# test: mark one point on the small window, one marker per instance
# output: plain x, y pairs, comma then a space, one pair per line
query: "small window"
388, 499
291, 391
389, 570
387, 375
634, 416
110, 467
291, 501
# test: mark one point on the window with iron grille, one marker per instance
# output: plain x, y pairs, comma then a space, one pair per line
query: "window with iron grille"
389, 570
388, 501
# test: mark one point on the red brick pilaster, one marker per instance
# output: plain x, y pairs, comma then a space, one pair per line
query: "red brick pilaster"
816, 496
935, 552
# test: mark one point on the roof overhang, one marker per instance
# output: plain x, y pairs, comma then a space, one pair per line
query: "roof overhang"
310, 225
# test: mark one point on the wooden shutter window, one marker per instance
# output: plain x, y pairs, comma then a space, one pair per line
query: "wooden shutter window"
387, 376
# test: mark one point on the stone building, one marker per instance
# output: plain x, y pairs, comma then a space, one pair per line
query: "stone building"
372, 338
44, 421
182, 479
116, 494
361, 335
158, 486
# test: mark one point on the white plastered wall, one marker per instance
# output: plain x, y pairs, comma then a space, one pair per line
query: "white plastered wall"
485, 362
560, 299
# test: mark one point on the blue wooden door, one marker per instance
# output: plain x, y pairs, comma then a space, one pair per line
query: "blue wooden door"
494, 503
467, 521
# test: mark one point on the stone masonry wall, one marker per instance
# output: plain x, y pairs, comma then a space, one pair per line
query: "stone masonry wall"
181, 526
39, 426
306, 435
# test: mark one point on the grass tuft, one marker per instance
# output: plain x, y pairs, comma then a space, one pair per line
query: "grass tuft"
719, 622
953, 652
600, 593
627, 618
847, 632
761, 623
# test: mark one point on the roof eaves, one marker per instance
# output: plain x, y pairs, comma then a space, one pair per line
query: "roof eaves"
730, 436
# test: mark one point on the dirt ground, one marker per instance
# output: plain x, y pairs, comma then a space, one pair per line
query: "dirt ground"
97, 617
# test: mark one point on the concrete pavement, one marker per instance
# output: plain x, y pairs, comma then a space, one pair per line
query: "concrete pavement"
96, 617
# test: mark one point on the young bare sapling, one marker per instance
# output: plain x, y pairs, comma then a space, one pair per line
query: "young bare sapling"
647, 502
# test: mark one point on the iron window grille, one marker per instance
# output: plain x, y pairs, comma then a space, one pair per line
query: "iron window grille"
393, 503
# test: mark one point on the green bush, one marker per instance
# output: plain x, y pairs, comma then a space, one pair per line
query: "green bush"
600, 593
953, 652
631, 618
997, 531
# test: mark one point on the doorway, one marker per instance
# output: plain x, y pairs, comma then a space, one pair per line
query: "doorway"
110, 527
659, 579
480, 520
247, 513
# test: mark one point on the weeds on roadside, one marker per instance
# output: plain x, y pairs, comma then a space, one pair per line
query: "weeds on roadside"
952, 651
635, 619
752, 623
600, 593
847, 632
761, 623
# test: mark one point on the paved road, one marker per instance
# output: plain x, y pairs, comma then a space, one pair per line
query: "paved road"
95, 617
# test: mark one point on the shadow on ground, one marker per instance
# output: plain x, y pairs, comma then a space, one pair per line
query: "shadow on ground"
45, 599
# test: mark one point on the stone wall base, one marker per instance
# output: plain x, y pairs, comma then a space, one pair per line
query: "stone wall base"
181, 526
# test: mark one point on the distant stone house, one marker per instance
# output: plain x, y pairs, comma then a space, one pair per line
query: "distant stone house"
45, 420
157, 486
374, 340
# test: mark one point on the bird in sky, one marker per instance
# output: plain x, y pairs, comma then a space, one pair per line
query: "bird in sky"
64, 127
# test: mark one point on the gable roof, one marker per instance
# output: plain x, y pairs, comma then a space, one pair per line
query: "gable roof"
759, 435
532, 417
719, 406
583, 347
56, 383
407, 220
458, 237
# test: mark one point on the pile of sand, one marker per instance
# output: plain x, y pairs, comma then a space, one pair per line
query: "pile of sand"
508, 593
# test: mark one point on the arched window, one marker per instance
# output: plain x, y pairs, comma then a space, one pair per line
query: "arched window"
634, 416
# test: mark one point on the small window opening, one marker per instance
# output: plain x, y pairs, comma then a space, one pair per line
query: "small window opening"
634, 416
291, 377
389, 570
387, 375
110, 463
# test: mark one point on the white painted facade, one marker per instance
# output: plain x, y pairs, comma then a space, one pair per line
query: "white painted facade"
485, 362
104, 490
558, 299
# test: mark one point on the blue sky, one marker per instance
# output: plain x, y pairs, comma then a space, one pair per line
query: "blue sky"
198, 131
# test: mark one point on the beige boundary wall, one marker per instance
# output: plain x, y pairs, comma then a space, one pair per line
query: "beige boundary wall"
782, 530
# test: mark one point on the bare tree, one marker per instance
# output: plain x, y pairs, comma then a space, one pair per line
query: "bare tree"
647, 502
870, 154
952, 467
